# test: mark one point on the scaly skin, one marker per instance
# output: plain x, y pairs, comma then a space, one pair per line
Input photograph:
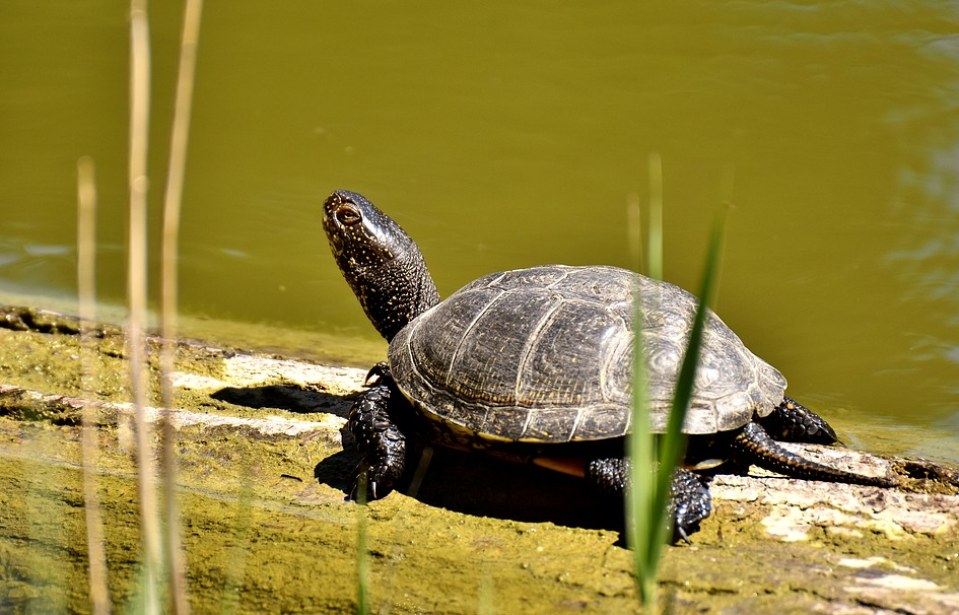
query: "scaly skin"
753, 444
380, 262
793, 422
689, 501
380, 442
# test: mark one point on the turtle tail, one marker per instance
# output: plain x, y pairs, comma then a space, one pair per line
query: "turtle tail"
753, 444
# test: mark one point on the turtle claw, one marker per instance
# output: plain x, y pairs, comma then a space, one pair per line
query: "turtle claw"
374, 481
377, 373
364, 489
354, 490
371, 491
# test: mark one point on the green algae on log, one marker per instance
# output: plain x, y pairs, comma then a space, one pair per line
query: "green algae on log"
262, 474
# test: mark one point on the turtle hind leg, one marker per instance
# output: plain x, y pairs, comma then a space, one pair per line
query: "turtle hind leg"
794, 422
753, 444
689, 501
380, 442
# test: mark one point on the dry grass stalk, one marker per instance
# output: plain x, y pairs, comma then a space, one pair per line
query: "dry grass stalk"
86, 286
137, 292
169, 283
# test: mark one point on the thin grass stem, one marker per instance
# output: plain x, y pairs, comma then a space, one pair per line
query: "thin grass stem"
137, 296
641, 444
642, 454
634, 231
648, 525
176, 571
654, 257
86, 290
362, 554
672, 449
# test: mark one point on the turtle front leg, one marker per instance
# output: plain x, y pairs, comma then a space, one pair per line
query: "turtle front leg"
794, 422
381, 444
689, 501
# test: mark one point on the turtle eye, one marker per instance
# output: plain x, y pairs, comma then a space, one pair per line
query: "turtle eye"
347, 214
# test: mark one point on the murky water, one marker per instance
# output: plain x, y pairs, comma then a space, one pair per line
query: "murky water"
513, 134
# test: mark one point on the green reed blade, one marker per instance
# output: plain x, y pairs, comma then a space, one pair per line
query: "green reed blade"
672, 448
641, 491
651, 475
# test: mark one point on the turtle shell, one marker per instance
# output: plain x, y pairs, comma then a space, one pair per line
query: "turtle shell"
545, 355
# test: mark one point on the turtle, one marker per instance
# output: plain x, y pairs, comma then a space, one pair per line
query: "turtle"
535, 365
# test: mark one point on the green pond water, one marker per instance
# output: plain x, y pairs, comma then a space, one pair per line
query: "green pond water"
510, 134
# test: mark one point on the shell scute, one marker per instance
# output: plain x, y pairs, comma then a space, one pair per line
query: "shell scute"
545, 355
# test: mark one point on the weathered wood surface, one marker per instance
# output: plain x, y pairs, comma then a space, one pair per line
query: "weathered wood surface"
262, 478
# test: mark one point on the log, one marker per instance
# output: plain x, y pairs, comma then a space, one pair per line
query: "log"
264, 467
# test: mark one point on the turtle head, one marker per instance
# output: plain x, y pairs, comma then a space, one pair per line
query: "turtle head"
382, 265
